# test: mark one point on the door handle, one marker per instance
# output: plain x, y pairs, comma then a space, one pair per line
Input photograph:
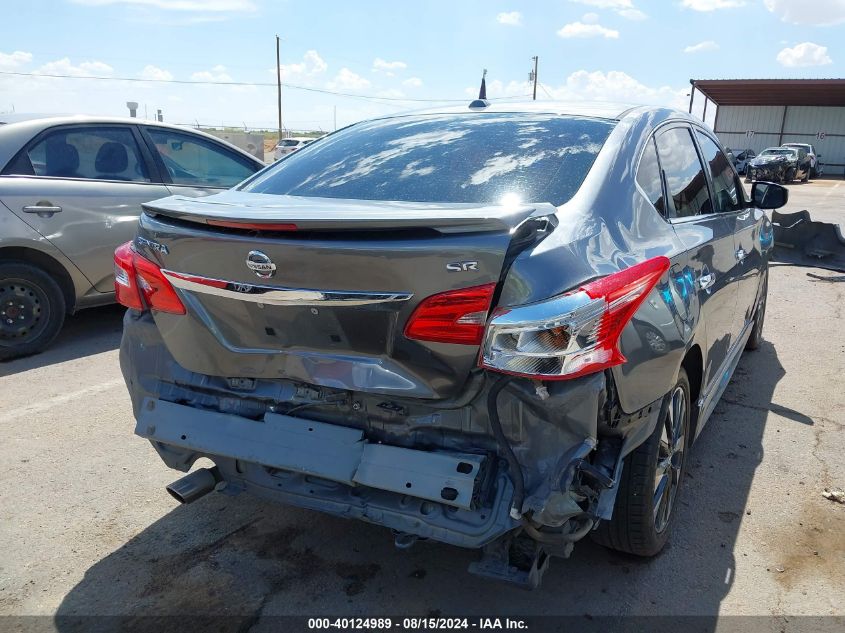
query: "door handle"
45, 210
705, 281
740, 255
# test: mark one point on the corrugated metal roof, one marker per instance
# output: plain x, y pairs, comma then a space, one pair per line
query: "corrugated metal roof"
760, 92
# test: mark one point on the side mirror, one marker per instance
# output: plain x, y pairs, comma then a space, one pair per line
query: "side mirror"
768, 195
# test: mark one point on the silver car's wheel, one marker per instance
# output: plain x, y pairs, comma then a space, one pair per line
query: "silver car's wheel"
32, 309
670, 459
652, 478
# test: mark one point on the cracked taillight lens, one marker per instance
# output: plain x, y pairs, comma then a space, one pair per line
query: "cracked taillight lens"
571, 335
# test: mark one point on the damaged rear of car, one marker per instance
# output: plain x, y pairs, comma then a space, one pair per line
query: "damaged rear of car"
459, 325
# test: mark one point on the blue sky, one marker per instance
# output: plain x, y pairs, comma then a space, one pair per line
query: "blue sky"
385, 51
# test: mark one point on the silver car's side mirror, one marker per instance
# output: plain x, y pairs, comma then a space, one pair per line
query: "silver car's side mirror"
768, 195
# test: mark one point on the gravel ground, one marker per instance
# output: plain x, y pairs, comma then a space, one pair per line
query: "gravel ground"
87, 528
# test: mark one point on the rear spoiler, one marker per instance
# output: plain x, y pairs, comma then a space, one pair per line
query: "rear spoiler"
267, 212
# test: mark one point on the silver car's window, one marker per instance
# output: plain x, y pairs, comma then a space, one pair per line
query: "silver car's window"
96, 153
685, 180
726, 196
464, 158
194, 161
648, 177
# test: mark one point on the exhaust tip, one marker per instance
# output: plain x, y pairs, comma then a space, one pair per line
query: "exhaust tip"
194, 485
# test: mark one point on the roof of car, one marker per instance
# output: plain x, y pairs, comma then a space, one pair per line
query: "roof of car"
598, 109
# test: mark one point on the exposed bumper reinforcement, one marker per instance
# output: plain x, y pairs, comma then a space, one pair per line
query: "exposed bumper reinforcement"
327, 451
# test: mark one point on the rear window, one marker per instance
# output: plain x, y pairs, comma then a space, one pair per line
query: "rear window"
470, 158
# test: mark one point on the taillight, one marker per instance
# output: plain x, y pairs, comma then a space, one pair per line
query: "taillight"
140, 284
456, 316
573, 334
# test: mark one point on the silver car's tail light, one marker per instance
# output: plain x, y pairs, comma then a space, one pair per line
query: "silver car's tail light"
571, 335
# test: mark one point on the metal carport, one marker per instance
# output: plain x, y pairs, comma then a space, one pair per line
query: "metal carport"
759, 113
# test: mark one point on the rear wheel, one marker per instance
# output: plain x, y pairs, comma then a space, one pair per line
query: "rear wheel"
651, 481
32, 309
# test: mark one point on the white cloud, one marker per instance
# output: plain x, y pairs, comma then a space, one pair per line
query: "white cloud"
615, 85
13, 60
712, 5
388, 68
511, 18
218, 73
413, 82
822, 12
702, 47
155, 73
311, 65
590, 18
804, 54
582, 30
348, 80
179, 5
625, 8
65, 67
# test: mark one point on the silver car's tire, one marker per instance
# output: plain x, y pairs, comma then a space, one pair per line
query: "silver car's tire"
32, 309
652, 477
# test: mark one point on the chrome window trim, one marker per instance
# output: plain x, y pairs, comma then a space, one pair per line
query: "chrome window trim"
279, 295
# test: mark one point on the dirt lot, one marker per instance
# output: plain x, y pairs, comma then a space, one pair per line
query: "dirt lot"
86, 527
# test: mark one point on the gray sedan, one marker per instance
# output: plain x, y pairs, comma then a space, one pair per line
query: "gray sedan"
71, 190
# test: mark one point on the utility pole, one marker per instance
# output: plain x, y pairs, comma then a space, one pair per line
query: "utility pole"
533, 75
279, 86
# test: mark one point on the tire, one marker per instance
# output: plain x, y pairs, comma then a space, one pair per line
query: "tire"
790, 175
756, 337
32, 309
806, 177
813, 173
642, 518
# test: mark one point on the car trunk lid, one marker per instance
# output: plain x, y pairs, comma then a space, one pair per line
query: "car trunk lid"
320, 290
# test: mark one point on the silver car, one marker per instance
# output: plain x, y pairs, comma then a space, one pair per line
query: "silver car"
71, 190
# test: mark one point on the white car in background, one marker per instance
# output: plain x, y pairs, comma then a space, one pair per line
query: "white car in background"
290, 145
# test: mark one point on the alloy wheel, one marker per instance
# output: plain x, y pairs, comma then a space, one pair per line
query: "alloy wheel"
670, 459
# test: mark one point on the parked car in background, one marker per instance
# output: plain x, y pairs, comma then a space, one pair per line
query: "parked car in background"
779, 164
290, 145
499, 326
741, 159
71, 190
815, 163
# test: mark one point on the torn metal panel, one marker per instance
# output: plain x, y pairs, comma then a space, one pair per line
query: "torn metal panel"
801, 241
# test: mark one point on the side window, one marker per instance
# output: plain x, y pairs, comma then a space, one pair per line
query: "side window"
727, 194
191, 160
648, 177
96, 153
685, 181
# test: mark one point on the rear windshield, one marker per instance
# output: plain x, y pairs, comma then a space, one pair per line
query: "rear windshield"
470, 158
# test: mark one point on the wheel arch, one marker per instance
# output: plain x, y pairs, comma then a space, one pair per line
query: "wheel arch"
49, 264
693, 364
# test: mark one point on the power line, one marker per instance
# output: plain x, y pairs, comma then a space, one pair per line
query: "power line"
211, 82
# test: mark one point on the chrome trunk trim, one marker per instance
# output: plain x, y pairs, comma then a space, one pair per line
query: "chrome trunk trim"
278, 295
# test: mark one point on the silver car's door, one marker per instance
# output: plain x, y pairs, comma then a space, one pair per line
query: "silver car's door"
81, 186
745, 221
709, 241
193, 165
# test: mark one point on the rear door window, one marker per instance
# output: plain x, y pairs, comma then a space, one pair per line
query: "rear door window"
192, 160
90, 152
685, 179
648, 177
727, 194
482, 158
